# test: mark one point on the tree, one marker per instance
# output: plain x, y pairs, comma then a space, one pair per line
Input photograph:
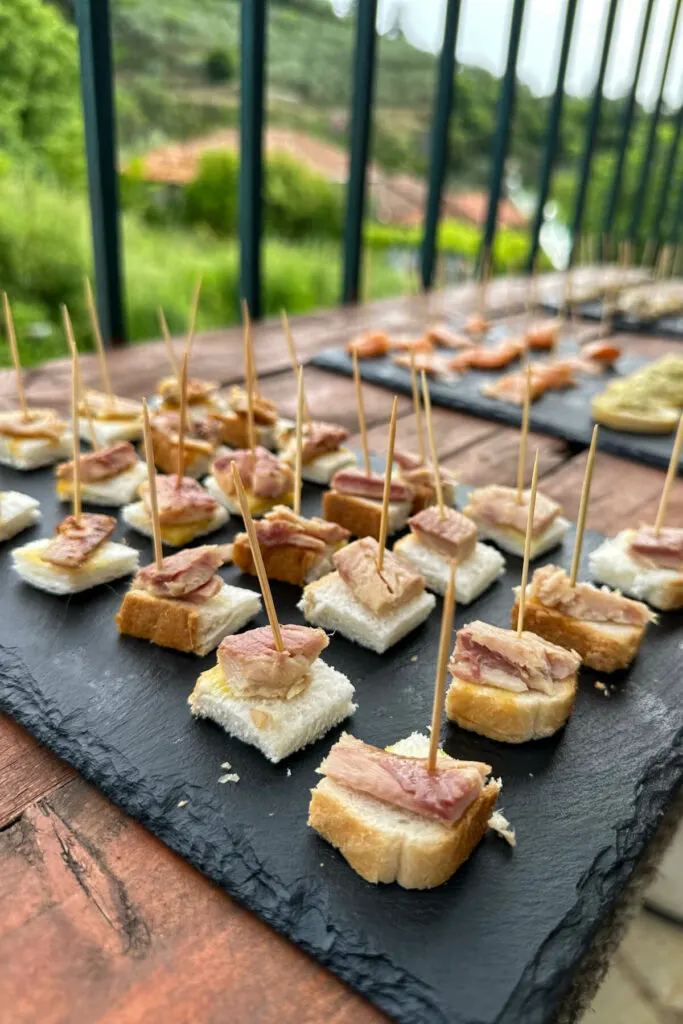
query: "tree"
220, 66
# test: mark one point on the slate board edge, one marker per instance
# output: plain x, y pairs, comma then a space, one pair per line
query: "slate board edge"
301, 914
661, 326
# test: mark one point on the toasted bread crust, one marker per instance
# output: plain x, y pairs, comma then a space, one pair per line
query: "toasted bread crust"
379, 856
598, 648
360, 517
164, 622
286, 562
166, 451
507, 716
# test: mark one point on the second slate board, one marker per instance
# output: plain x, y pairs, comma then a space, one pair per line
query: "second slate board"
500, 941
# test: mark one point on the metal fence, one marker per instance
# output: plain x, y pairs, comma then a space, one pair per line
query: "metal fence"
93, 20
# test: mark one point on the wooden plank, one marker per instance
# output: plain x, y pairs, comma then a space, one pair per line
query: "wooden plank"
102, 923
453, 431
28, 771
494, 458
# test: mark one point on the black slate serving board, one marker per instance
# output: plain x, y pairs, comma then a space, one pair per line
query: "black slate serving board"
663, 326
565, 414
500, 940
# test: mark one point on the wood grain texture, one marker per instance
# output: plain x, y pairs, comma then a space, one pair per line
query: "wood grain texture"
100, 921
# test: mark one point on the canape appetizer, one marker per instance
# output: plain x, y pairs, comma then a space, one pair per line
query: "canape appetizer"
186, 511
113, 418
500, 517
408, 814
543, 334
109, 476
201, 438
34, 438
511, 685
17, 512
270, 687
202, 396
354, 501
369, 345
648, 562
323, 452
267, 481
232, 422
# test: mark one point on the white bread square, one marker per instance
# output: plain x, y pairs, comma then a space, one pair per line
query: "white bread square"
276, 727
612, 564
472, 577
329, 603
512, 541
108, 432
17, 512
183, 625
508, 716
34, 452
108, 562
117, 491
383, 843
322, 469
257, 506
137, 517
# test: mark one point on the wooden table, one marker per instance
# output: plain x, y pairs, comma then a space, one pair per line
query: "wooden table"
100, 922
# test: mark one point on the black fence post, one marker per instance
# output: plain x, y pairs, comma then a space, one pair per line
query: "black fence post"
669, 164
361, 114
94, 41
252, 76
439, 142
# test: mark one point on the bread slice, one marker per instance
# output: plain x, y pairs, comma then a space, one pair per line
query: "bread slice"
198, 455
257, 506
329, 603
512, 541
108, 562
276, 727
472, 578
183, 625
604, 646
17, 512
612, 564
119, 490
34, 452
234, 430
361, 516
108, 432
507, 716
289, 563
321, 470
384, 843
137, 517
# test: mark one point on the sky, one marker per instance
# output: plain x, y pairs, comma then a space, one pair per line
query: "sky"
483, 33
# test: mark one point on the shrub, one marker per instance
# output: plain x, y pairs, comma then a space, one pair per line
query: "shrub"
211, 199
220, 66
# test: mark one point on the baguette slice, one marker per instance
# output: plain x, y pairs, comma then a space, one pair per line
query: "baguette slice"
108, 562
137, 517
507, 716
383, 843
17, 512
112, 493
612, 564
108, 432
289, 563
329, 603
34, 452
183, 625
276, 727
604, 646
512, 541
257, 506
472, 578
362, 516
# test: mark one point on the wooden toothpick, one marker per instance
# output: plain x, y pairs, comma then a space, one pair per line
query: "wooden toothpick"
75, 443
172, 358
482, 290
438, 485
298, 460
361, 415
447, 617
524, 432
527, 546
648, 252
192, 322
180, 473
384, 521
418, 411
293, 356
12, 338
68, 330
152, 478
670, 477
258, 559
583, 508
249, 381
250, 343
99, 344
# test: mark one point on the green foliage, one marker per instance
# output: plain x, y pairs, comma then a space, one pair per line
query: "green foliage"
299, 202
220, 66
211, 199
454, 237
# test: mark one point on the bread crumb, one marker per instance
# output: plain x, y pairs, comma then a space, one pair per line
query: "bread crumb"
414, 657
182, 803
230, 777
289, 773
601, 686
226, 765
501, 826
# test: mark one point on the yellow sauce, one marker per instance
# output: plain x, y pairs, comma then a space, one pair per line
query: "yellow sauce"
183, 533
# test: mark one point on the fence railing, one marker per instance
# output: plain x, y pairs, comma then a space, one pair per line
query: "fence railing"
94, 27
